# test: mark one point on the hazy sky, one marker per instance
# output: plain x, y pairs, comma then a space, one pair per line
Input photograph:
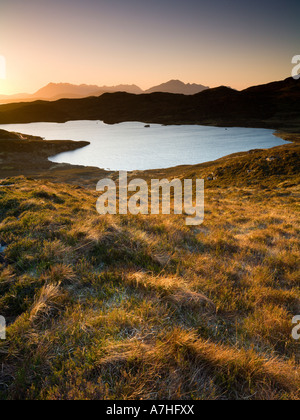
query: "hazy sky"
212, 42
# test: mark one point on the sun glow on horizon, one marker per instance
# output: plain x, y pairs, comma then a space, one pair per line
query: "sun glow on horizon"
146, 43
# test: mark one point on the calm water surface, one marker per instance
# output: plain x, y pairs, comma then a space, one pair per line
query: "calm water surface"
131, 146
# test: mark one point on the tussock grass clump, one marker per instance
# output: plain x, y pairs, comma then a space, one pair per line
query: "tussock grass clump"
48, 302
144, 307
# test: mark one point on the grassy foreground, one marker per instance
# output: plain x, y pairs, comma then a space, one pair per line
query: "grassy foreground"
143, 307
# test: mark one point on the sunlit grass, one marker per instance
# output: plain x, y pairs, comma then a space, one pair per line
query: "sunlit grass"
130, 307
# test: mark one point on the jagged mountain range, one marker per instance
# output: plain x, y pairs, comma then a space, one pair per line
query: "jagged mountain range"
55, 91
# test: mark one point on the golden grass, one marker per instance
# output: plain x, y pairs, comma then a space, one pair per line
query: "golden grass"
144, 307
48, 302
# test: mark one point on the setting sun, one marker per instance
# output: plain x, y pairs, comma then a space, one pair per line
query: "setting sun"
146, 43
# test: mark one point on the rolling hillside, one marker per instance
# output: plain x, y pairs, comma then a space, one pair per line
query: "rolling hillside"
116, 307
275, 105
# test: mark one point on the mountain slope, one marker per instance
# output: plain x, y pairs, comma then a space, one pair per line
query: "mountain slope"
176, 86
276, 105
55, 91
64, 90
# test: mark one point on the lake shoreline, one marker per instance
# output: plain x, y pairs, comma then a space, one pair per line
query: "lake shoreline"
131, 147
31, 160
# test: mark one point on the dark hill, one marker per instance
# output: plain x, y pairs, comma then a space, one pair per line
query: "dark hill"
275, 105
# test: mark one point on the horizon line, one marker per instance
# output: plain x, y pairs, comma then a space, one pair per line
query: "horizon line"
143, 90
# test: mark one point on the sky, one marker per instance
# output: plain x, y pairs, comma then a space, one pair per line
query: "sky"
235, 43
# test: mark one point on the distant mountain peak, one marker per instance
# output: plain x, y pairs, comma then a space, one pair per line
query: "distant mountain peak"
53, 91
177, 86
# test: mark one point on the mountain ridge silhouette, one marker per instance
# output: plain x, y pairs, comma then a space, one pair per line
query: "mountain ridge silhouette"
273, 105
54, 91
